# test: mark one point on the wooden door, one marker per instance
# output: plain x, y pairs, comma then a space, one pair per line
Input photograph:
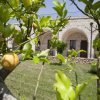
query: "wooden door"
83, 46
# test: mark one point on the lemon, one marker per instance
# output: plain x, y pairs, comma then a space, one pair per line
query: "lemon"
10, 61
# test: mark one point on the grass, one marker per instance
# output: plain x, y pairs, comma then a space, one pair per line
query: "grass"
22, 81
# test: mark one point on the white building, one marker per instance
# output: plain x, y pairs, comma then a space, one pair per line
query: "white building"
78, 34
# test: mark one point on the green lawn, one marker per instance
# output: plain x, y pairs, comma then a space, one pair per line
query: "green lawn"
22, 81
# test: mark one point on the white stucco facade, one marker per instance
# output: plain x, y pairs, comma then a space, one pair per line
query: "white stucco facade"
81, 27
77, 29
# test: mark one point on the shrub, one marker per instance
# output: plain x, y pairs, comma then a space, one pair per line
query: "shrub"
93, 67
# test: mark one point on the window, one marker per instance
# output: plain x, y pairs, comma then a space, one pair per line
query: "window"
72, 44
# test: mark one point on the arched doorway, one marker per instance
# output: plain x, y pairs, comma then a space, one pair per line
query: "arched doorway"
76, 39
44, 40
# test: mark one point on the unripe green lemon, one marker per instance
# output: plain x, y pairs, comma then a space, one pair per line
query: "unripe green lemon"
27, 3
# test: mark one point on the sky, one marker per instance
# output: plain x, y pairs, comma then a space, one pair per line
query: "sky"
72, 10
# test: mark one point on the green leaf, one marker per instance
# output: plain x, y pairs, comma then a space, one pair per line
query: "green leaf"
58, 7
27, 51
27, 47
56, 3
81, 51
84, 1
63, 86
72, 53
93, 78
58, 11
96, 43
14, 3
44, 59
61, 57
5, 13
43, 53
36, 59
58, 96
96, 5
18, 37
8, 30
62, 78
44, 21
27, 3
81, 87
65, 13
86, 9
56, 30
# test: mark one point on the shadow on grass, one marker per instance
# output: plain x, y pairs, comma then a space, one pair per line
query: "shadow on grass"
58, 64
92, 72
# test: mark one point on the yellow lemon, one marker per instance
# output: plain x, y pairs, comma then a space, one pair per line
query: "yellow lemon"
10, 61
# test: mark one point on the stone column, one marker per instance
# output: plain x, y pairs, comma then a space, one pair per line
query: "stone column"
78, 46
92, 53
88, 49
92, 50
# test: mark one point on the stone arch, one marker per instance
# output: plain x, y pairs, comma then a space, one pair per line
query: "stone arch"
44, 40
71, 32
76, 39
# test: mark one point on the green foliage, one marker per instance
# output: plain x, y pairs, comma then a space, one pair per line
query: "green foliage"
92, 10
60, 9
44, 21
96, 54
94, 65
62, 12
27, 3
14, 3
41, 57
27, 51
74, 53
65, 90
25, 12
6, 13
61, 46
55, 43
7, 31
96, 43
64, 87
61, 58
27, 47
41, 23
